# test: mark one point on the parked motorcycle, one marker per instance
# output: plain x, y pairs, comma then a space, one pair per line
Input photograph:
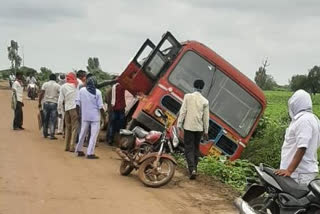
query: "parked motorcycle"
273, 194
32, 91
147, 152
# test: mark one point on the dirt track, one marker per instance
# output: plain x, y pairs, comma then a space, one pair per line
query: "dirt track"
38, 177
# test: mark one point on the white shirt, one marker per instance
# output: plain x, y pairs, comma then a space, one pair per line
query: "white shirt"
194, 113
12, 77
90, 104
51, 91
19, 90
303, 132
68, 93
80, 84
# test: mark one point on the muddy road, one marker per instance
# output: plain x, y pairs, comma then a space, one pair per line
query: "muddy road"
38, 177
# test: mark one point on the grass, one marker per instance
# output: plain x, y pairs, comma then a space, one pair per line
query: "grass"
277, 103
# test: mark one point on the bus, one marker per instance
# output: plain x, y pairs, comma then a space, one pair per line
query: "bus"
161, 74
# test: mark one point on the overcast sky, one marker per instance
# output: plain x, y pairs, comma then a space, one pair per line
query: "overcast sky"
62, 34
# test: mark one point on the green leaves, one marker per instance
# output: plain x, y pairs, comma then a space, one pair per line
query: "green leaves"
233, 173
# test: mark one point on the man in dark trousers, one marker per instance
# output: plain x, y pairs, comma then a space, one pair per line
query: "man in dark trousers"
17, 96
116, 109
50, 93
194, 119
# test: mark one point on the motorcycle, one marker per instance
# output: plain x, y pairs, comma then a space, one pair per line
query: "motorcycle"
147, 152
32, 91
273, 194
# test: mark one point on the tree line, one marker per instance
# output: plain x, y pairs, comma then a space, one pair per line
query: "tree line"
15, 60
309, 82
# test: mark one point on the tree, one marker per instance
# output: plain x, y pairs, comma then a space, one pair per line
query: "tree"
93, 65
299, 82
44, 74
262, 79
314, 79
13, 55
94, 68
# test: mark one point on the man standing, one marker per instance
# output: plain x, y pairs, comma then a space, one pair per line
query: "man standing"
117, 111
89, 99
299, 150
81, 78
68, 93
62, 80
17, 90
194, 119
50, 94
12, 78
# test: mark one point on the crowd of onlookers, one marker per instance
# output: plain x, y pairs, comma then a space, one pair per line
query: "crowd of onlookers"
72, 105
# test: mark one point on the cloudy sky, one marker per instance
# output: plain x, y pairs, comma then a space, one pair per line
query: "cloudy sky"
62, 34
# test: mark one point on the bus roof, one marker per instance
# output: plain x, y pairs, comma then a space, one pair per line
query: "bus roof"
229, 69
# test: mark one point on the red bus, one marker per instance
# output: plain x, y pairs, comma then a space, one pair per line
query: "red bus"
163, 73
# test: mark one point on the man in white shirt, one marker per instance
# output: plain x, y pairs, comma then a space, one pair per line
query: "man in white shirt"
50, 93
60, 131
299, 150
17, 90
194, 119
68, 93
89, 99
12, 78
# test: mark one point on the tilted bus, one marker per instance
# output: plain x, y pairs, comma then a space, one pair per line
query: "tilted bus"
161, 75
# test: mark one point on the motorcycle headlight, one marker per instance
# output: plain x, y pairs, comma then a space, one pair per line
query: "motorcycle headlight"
157, 112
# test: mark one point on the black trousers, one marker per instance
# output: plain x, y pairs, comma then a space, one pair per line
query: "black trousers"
191, 146
18, 116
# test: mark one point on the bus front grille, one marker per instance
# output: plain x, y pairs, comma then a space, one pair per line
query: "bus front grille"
171, 104
226, 145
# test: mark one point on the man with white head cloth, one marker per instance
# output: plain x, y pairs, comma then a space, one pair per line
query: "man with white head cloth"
299, 151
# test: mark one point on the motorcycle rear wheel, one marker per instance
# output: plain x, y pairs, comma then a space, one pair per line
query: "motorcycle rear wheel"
125, 168
258, 205
150, 179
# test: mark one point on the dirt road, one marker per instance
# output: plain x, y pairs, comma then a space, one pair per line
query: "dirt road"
38, 177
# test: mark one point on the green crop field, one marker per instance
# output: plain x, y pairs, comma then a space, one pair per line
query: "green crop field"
277, 103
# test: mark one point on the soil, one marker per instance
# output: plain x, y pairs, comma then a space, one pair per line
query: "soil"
38, 177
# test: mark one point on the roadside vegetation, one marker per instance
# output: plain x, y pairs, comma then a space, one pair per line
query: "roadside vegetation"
264, 147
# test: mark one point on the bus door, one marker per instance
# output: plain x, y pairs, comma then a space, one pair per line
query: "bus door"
145, 68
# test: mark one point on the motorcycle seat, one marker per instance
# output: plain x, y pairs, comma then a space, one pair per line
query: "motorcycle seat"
140, 132
125, 132
288, 185
314, 186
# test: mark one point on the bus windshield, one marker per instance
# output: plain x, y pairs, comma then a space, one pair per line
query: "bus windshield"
227, 100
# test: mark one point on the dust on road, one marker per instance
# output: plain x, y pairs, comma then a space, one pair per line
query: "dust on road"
38, 177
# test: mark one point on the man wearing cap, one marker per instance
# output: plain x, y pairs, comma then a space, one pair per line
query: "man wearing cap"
194, 119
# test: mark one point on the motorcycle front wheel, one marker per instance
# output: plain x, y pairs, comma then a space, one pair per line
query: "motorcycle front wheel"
258, 204
158, 177
125, 168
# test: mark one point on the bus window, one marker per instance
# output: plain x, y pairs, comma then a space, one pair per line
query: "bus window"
165, 51
225, 96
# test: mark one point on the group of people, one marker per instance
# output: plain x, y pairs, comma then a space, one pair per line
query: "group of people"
78, 98
75, 105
